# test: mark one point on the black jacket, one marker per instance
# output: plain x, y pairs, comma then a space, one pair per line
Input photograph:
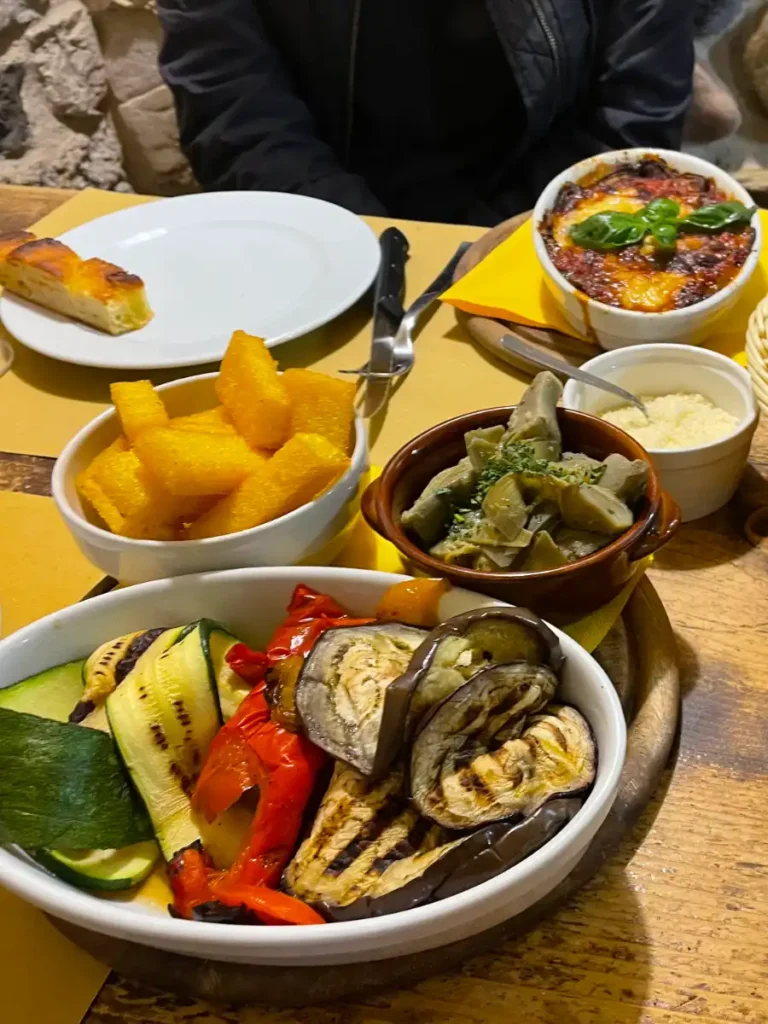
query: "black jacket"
265, 88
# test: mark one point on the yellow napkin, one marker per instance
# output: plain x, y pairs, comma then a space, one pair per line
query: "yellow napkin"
509, 285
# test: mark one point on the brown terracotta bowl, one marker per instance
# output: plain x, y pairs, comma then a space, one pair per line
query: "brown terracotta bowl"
569, 591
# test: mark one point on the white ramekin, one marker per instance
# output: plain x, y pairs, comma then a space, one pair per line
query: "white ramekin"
285, 541
615, 328
700, 478
251, 602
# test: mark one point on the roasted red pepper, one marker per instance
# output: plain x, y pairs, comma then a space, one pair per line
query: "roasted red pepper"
252, 750
250, 665
190, 873
269, 906
309, 615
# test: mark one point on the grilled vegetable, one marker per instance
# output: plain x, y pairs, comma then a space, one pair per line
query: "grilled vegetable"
414, 602
456, 650
216, 643
486, 754
343, 691
252, 750
53, 694
50, 694
360, 829
61, 785
102, 870
109, 665
456, 865
163, 717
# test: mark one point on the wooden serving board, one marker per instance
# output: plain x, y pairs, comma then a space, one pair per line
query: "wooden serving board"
488, 332
639, 655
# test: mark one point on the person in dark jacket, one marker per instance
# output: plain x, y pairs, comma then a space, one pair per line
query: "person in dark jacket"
452, 110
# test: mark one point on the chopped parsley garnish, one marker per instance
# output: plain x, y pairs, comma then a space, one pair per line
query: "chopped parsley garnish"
515, 457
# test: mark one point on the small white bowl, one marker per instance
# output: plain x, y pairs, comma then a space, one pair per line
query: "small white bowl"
252, 602
615, 328
285, 541
702, 478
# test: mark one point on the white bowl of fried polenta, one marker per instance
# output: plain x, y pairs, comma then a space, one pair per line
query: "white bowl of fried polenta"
245, 467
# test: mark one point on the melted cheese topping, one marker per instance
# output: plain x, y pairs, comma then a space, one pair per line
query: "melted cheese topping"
650, 293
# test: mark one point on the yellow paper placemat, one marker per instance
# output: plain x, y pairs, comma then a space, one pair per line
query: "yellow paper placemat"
509, 285
44, 979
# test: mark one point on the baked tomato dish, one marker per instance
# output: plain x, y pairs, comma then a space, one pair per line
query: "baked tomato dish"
646, 237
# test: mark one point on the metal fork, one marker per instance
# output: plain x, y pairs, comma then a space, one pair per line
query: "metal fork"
402, 347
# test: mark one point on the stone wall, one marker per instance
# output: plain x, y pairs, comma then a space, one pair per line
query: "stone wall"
81, 99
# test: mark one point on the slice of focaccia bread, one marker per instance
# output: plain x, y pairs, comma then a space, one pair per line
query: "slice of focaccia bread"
50, 274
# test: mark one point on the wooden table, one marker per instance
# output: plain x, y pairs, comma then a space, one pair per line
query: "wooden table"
672, 928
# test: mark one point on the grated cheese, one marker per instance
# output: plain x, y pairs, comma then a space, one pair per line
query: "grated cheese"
681, 420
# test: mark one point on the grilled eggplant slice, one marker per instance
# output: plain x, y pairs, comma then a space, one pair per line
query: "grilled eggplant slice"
360, 830
487, 753
456, 865
343, 689
461, 646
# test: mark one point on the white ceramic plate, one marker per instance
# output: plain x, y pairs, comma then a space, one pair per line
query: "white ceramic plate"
269, 263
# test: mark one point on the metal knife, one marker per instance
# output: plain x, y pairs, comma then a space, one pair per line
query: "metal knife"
387, 314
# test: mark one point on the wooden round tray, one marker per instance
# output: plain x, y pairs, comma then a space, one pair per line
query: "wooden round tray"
639, 655
488, 332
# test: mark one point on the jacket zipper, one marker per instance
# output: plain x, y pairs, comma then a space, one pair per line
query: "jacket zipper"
549, 35
350, 98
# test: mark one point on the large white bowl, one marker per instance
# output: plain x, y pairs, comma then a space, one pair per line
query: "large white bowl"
252, 602
615, 328
285, 541
703, 477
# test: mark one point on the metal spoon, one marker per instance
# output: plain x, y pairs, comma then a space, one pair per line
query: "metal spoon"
538, 358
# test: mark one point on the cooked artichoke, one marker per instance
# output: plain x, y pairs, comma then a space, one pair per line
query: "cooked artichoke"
627, 480
575, 544
592, 507
535, 418
485, 753
543, 554
506, 508
346, 684
429, 515
482, 445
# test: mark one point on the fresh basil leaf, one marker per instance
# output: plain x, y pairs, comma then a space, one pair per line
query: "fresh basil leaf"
718, 216
608, 230
664, 234
657, 210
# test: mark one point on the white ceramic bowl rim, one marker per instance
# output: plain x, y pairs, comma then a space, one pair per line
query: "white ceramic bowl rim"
619, 156
32, 883
684, 354
58, 484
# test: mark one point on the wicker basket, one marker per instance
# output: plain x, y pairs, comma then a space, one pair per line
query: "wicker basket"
757, 352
